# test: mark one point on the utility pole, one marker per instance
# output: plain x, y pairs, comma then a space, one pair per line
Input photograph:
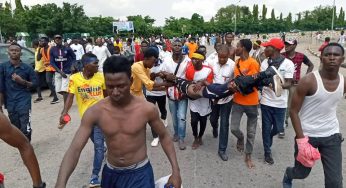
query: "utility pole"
333, 15
235, 17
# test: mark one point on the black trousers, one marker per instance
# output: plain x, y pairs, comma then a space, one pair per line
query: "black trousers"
41, 79
195, 118
21, 119
49, 79
161, 103
331, 156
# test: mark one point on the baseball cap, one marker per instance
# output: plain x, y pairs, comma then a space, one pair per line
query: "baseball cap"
57, 36
274, 42
291, 41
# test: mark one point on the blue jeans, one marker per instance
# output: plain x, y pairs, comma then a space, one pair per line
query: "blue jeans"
97, 138
224, 111
273, 120
178, 111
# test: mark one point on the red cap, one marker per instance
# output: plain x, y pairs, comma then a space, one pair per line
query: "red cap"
2, 178
274, 42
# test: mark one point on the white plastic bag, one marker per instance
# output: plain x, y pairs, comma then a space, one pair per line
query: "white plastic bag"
160, 183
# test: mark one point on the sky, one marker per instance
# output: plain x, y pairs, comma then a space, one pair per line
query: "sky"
161, 9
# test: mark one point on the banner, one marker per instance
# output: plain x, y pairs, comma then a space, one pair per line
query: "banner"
123, 26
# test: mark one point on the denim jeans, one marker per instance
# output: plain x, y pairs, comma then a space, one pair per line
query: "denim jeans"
224, 111
97, 138
272, 123
251, 112
178, 111
331, 157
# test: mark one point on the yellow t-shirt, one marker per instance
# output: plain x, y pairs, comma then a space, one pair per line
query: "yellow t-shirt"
87, 92
120, 45
39, 67
140, 76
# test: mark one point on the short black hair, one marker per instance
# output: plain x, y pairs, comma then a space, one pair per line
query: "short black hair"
151, 52
116, 48
145, 42
201, 46
35, 43
200, 52
46, 39
327, 39
229, 33
15, 44
246, 43
334, 44
89, 40
88, 55
117, 64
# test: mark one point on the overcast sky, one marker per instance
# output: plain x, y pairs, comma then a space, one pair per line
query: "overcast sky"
161, 9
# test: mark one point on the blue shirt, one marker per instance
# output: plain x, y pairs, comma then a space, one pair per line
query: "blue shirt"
17, 96
62, 58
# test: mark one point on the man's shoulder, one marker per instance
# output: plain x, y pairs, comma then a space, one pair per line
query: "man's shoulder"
287, 63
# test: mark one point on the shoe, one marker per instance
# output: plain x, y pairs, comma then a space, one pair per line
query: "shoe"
94, 182
165, 122
155, 142
175, 138
281, 135
268, 159
54, 101
277, 85
215, 132
51, 95
182, 145
223, 155
195, 143
271, 71
39, 99
286, 182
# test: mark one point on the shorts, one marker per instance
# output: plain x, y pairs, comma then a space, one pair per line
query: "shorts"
22, 120
61, 84
142, 177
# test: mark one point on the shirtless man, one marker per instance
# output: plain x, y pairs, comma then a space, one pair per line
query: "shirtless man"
229, 39
12, 136
122, 118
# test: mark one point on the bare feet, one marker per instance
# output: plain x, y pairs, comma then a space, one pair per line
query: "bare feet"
195, 144
240, 144
248, 161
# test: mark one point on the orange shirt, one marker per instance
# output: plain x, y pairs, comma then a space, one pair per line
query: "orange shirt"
192, 48
247, 67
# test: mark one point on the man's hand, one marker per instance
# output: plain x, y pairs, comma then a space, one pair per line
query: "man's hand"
18, 79
174, 181
307, 154
63, 74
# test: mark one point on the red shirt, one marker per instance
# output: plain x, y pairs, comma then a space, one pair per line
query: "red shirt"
297, 60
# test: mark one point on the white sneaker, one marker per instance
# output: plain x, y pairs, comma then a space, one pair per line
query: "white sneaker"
155, 142
165, 122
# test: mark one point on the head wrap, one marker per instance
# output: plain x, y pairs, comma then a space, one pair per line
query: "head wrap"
197, 56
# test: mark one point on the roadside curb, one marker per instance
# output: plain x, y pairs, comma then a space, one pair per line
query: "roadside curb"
318, 55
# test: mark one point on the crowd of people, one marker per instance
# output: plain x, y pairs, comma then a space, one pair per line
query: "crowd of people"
118, 85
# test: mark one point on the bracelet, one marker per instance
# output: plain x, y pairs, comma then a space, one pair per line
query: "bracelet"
42, 185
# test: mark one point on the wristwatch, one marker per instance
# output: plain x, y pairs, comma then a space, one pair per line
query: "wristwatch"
42, 185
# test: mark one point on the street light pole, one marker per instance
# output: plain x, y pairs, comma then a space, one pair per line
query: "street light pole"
333, 15
235, 18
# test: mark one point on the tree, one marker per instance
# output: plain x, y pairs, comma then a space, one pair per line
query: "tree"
264, 12
272, 17
255, 12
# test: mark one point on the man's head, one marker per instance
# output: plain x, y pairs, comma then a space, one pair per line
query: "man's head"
290, 45
58, 40
332, 56
177, 47
117, 72
99, 42
223, 53
197, 59
243, 47
144, 46
229, 38
14, 51
75, 40
90, 63
273, 47
116, 50
327, 39
217, 46
192, 40
202, 49
35, 44
129, 42
151, 56
256, 45
44, 41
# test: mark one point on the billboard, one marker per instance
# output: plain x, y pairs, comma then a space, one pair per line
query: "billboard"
123, 26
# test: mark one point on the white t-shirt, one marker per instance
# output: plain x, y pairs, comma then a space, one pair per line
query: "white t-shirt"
222, 74
156, 69
89, 48
78, 50
202, 105
203, 41
269, 98
102, 53
169, 65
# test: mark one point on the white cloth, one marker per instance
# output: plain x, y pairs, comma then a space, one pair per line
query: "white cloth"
318, 112
269, 98
22, 43
202, 105
78, 50
222, 74
156, 69
102, 53
160, 183
203, 41
89, 48
61, 84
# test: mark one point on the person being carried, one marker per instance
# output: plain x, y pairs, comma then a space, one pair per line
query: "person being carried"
122, 118
13, 137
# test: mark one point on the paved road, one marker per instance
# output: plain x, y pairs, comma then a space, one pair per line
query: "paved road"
200, 168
